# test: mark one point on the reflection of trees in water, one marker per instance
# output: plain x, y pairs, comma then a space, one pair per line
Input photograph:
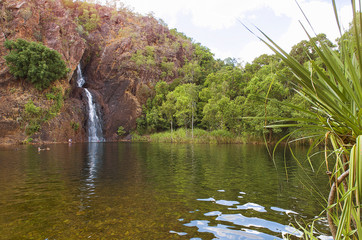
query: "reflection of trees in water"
93, 161
249, 168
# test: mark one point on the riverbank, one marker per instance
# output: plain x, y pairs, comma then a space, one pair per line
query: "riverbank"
182, 135
201, 136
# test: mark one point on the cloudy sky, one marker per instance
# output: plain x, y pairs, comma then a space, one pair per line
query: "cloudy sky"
216, 23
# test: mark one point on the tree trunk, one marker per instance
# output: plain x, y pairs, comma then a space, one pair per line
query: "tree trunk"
192, 122
171, 130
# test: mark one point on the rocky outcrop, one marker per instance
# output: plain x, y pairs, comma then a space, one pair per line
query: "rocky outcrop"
48, 22
127, 62
44, 21
122, 55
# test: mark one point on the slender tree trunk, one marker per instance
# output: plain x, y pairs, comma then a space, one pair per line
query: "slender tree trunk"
192, 122
171, 130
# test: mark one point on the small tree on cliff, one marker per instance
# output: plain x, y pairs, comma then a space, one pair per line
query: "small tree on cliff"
35, 62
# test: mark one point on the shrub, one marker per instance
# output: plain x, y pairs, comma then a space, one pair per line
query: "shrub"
32, 116
32, 128
121, 131
28, 140
74, 125
31, 110
35, 62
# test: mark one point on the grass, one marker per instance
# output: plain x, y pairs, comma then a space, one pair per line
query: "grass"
182, 135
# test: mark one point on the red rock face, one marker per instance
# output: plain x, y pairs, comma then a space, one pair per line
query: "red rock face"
120, 83
47, 22
123, 85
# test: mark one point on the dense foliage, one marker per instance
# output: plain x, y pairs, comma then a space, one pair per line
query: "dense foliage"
213, 95
35, 62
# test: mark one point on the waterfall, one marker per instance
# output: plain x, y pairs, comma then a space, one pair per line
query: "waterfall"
95, 133
80, 78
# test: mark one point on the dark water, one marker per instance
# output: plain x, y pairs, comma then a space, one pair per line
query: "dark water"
154, 191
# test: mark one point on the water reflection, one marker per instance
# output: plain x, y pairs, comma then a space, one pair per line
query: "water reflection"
246, 223
93, 163
222, 231
152, 191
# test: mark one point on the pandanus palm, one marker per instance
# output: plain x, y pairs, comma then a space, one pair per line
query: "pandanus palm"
334, 89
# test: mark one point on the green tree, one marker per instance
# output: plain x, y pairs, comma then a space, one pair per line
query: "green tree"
34, 62
228, 81
191, 71
304, 50
184, 98
233, 115
265, 83
251, 69
161, 91
153, 112
154, 118
206, 62
211, 115
169, 109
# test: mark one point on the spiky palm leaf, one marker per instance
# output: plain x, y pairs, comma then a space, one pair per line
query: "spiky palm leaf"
335, 92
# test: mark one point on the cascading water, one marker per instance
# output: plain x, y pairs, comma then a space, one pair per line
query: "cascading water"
95, 133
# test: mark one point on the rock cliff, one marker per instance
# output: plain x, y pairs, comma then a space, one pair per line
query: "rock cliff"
122, 55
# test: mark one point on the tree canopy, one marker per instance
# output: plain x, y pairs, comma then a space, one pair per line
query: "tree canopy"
35, 62
224, 95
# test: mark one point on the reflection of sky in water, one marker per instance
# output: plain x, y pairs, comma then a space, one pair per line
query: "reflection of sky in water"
213, 213
179, 233
224, 232
241, 220
253, 206
206, 199
226, 203
283, 210
242, 227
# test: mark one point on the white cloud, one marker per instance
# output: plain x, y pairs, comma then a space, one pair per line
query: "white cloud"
345, 15
252, 50
217, 15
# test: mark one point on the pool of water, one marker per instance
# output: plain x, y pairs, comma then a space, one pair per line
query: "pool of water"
157, 191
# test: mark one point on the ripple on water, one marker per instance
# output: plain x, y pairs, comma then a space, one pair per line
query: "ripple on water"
222, 231
283, 210
226, 202
242, 227
206, 199
213, 213
179, 233
240, 220
253, 206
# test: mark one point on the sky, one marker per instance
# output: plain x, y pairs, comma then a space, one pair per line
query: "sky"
217, 24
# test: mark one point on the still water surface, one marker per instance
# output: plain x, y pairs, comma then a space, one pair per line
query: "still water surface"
155, 191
